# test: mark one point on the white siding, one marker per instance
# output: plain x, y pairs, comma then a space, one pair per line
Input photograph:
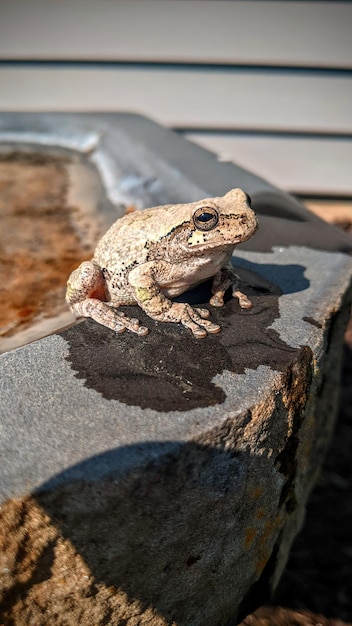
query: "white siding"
316, 34
304, 165
272, 81
183, 97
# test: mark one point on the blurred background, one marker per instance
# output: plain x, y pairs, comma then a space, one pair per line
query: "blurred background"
265, 84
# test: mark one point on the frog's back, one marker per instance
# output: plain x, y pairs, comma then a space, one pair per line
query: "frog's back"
125, 244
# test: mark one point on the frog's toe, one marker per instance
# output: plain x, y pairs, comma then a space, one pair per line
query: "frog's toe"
244, 302
213, 328
142, 330
134, 326
129, 323
201, 329
119, 328
132, 323
198, 332
204, 313
199, 326
217, 299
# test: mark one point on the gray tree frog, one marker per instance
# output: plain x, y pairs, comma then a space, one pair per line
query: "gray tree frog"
148, 257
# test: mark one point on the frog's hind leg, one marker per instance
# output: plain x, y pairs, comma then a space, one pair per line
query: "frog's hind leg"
85, 295
224, 279
102, 313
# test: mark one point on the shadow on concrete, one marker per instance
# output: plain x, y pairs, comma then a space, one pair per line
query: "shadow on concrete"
286, 222
171, 531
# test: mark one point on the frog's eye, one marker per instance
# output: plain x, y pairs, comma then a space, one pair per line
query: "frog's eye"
205, 218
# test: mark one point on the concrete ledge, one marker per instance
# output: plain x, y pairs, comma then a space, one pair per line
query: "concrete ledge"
162, 480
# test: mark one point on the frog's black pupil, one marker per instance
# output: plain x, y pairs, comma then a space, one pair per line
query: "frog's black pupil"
205, 217
249, 199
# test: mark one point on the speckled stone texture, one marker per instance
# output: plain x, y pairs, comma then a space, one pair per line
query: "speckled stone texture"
162, 480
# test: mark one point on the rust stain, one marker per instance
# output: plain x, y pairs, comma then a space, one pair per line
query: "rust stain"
38, 243
249, 536
266, 540
256, 492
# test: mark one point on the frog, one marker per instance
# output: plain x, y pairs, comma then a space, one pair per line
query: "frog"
151, 256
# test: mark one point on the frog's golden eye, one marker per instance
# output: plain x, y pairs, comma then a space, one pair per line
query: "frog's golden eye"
205, 218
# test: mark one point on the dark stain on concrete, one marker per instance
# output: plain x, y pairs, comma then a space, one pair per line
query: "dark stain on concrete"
312, 321
169, 369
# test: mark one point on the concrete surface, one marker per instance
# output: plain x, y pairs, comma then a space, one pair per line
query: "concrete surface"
177, 470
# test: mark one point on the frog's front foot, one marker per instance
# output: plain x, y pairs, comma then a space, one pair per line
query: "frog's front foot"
244, 302
218, 299
224, 279
192, 318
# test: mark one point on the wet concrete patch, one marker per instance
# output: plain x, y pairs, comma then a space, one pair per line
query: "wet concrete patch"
170, 370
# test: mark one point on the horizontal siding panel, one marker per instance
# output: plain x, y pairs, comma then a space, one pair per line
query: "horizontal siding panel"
315, 34
187, 98
300, 165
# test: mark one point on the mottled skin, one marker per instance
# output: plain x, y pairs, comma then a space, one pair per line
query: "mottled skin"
148, 257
